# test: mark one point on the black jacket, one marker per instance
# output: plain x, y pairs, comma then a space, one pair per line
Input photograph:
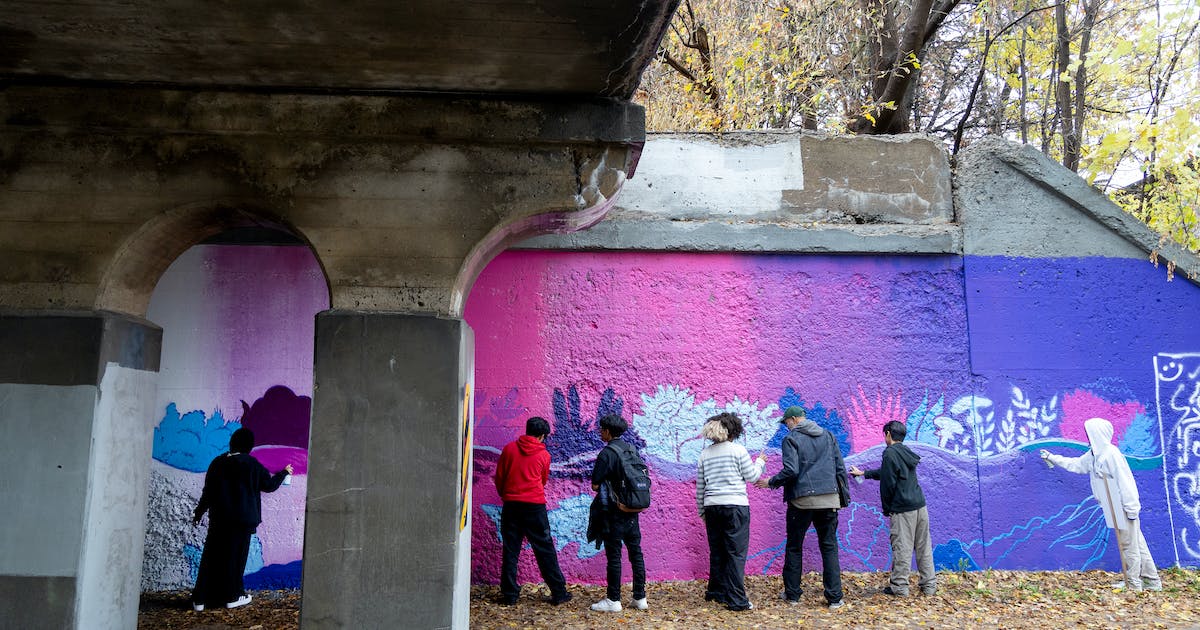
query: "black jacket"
231, 491
897, 475
812, 462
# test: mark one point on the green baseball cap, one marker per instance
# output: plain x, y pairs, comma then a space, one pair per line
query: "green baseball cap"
795, 411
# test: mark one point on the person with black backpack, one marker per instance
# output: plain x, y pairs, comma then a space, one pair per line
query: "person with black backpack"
622, 485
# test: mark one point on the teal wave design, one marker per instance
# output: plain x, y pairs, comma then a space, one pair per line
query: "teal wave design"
1135, 462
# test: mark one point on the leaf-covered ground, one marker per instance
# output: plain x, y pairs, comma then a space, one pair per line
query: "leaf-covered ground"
993, 599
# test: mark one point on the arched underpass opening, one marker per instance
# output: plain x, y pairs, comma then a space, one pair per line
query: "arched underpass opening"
237, 313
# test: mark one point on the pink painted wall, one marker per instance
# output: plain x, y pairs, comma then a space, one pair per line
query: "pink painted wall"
671, 339
985, 359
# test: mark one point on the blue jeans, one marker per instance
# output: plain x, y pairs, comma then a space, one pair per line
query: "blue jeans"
826, 522
624, 529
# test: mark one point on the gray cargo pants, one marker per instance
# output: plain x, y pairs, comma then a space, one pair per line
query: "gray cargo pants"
909, 532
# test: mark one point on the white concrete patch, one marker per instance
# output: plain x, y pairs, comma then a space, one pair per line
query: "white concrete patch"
680, 175
115, 516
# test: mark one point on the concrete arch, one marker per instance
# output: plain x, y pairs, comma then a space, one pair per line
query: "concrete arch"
141, 259
600, 180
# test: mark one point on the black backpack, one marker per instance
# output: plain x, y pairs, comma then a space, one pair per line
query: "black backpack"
632, 492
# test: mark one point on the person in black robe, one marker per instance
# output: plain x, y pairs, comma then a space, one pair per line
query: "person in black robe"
231, 496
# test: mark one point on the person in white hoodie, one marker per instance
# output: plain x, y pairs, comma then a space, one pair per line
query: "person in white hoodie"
1115, 490
721, 476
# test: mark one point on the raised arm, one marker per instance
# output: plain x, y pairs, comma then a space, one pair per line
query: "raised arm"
1081, 465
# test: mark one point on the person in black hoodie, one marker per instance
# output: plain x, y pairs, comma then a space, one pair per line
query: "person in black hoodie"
231, 498
904, 502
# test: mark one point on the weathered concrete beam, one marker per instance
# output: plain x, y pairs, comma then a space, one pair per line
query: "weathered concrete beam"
403, 199
716, 236
552, 47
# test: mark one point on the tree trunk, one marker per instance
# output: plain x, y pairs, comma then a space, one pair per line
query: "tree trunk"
1090, 9
894, 85
1023, 117
1062, 89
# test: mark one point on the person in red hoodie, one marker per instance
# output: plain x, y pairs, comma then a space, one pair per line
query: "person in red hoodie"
521, 476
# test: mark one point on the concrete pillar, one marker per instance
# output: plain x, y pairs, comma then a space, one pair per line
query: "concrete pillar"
386, 544
76, 423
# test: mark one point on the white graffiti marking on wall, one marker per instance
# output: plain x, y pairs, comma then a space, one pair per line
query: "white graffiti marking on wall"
1178, 391
971, 429
671, 419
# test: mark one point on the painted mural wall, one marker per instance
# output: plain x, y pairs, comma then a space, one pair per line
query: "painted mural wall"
986, 359
237, 351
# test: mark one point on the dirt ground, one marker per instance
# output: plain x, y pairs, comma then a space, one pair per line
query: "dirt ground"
987, 599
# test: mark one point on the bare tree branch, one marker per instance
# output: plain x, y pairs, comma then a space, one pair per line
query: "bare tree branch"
987, 47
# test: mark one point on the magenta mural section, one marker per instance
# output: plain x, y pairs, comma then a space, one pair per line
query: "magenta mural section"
986, 360
237, 351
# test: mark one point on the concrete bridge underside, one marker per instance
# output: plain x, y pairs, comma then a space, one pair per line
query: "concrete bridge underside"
406, 145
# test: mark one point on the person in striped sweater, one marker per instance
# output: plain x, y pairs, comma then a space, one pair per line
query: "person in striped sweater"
721, 477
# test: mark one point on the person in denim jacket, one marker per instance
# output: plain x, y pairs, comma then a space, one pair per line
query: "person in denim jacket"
812, 462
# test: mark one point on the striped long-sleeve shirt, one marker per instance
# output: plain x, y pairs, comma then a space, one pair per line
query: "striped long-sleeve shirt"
722, 474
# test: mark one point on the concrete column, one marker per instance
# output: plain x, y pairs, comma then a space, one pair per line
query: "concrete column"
76, 423
385, 545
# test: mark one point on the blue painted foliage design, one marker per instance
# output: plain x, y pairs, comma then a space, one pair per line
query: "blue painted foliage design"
576, 439
827, 419
191, 441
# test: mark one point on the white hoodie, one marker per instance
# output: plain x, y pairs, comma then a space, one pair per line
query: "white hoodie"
1112, 481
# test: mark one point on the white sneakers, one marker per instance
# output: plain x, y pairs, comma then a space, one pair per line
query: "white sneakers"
241, 601
198, 607
608, 605
1120, 586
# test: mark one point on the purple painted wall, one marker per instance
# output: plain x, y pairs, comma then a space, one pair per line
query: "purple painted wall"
237, 351
986, 359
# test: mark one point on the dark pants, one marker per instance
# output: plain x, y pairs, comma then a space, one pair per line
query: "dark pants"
728, 528
519, 521
219, 580
624, 529
826, 523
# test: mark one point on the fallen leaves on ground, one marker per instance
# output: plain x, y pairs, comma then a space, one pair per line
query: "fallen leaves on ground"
172, 610
994, 599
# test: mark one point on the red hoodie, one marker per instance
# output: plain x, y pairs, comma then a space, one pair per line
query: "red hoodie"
523, 470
